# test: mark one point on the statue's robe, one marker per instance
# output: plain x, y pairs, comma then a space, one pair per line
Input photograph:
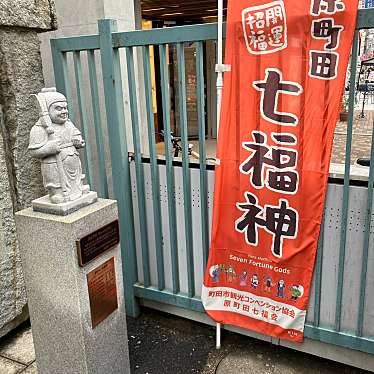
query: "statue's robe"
72, 168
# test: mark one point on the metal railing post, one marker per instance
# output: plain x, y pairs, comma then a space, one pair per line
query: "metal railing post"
119, 157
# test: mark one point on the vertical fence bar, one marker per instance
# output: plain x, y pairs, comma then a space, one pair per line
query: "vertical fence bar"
169, 167
68, 94
123, 135
61, 72
138, 166
186, 170
97, 123
157, 221
58, 67
318, 270
343, 235
202, 152
365, 253
83, 116
119, 157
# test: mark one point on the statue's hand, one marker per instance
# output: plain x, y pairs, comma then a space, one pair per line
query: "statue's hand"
54, 146
79, 143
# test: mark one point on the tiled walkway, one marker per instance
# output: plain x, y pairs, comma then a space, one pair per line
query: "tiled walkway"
361, 140
17, 352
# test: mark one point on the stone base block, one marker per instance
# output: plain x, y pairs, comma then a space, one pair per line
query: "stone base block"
62, 297
44, 205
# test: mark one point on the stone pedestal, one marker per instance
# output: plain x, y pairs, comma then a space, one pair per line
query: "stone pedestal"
57, 289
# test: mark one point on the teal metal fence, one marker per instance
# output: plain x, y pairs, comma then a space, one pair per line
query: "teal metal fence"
113, 53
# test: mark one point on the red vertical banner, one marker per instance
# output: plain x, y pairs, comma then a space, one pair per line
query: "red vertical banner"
280, 106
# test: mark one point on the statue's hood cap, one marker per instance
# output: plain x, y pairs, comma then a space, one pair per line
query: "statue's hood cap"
51, 96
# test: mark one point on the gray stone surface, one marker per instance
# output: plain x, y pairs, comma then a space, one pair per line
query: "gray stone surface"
38, 14
12, 294
10, 367
58, 296
20, 75
8, 327
43, 204
20, 183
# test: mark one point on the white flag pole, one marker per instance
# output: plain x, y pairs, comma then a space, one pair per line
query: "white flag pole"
219, 85
218, 336
219, 65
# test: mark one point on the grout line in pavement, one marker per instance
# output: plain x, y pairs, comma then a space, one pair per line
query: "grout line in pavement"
18, 362
24, 369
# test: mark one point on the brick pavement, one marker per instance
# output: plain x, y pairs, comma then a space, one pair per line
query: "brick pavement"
361, 140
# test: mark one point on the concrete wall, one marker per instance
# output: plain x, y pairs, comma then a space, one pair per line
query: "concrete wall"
20, 181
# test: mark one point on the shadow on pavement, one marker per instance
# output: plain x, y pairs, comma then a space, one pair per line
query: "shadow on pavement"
160, 343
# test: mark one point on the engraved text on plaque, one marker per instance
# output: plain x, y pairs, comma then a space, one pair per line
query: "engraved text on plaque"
102, 291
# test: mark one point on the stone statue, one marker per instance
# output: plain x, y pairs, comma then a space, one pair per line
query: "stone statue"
55, 141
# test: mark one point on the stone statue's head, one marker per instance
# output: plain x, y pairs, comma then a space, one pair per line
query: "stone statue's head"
59, 112
56, 104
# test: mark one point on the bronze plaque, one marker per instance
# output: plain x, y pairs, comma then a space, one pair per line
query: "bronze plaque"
102, 291
97, 242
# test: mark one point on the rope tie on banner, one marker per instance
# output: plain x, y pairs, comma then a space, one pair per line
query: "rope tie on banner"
222, 68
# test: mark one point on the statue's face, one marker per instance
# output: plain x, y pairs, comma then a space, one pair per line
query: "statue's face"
59, 112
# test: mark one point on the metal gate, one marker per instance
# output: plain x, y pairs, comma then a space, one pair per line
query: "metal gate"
165, 202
